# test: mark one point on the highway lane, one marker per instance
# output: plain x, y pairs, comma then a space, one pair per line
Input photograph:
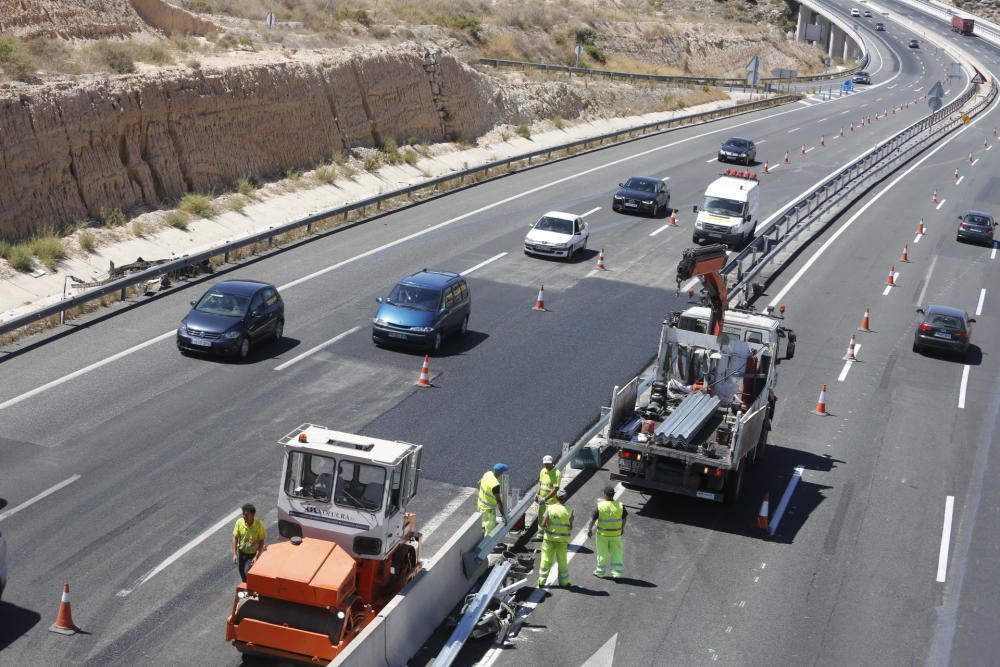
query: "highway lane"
851, 577
168, 446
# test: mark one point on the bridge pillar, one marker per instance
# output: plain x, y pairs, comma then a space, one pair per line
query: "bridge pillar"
800, 26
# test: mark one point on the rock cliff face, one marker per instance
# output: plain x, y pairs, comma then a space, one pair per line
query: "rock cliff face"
83, 19
67, 150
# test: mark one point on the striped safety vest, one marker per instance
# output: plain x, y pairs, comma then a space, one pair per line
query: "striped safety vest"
609, 518
548, 480
487, 501
558, 519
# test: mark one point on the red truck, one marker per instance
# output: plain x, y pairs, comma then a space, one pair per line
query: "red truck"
962, 25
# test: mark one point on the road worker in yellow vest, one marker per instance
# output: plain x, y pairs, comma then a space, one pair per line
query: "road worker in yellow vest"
490, 501
556, 526
610, 518
548, 484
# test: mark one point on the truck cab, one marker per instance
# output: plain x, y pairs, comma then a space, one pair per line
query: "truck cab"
729, 211
346, 488
747, 326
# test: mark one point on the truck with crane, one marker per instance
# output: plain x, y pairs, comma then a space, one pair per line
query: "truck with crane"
348, 546
708, 412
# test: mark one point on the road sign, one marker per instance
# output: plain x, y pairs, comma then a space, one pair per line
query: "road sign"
269, 20
978, 79
847, 86
753, 71
936, 90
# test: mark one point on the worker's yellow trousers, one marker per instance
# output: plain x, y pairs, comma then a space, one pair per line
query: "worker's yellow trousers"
609, 553
553, 551
489, 518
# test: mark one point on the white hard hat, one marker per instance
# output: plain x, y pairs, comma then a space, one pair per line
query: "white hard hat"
547, 459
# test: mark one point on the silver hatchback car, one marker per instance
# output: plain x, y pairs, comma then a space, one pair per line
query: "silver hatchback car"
976, 226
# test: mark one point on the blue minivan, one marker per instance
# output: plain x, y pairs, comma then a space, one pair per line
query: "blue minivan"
422, 309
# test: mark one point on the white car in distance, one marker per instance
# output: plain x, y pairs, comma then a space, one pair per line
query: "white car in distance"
557, 234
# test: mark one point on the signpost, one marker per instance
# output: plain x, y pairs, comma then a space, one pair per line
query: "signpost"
269, 20
578, 50
753, 73
934, 96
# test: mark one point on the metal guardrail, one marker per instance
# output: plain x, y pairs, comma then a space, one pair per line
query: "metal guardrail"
983, 26
722, 82
196, 259
835, 194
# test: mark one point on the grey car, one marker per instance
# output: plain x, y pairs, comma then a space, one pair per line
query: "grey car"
976, 226
862, 77
943, 328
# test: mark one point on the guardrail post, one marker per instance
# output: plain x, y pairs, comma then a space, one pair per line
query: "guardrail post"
225, 257
121, 295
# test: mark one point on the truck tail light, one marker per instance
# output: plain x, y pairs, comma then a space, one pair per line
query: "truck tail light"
632, 456
713, 472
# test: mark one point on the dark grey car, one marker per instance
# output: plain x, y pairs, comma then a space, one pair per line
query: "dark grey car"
738, 149
976, 226
943, 328
231, 317
642, 194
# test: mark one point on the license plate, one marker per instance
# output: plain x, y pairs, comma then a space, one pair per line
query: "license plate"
631, 204
705, 495
392, 334
201, 342
938, 334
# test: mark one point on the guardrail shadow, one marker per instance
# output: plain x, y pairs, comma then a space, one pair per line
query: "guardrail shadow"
16, 622
770, 474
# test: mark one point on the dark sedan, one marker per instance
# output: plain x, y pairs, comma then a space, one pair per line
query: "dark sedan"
976, 226
862, 77
642, 194
943, 328
738, 149
231, 317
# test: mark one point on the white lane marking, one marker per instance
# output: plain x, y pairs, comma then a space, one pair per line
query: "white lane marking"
660, 229
989, 146
892, 86
993, 253
962, 387
593, 210
86, 369
927, 279
764, 141
173, 557
422, 232
447, 511
916, 239
848, 364
940, 204
979, 311
780, 511
795, 129
770, 168
888, 288
949, 508
41, 496
819, 121
957, 181
484, 263
804, 103
973, 163
810, 148
843, 112
712, 160
863, 105
313, 350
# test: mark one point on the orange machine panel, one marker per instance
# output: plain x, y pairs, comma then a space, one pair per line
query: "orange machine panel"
315, 572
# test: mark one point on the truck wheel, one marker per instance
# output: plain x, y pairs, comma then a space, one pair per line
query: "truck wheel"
733, 486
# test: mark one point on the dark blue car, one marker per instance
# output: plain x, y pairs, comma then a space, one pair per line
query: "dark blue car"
231, 318
642, 194
422, 309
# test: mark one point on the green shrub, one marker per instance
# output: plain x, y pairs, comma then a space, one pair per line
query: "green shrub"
49, 250
4, 248
293, 174
196, 204
238, 203
559, 122
466, 23
20, 257
87, 240
585, 35
178, 220
115, 56
410, 156
372, 162
140, 228
112, 217
246, 187
596, 54
339, 158
349, 171
412, 141
326, 174
523, 131
390, 152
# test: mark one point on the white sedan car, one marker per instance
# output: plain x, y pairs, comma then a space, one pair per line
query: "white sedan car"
557, 235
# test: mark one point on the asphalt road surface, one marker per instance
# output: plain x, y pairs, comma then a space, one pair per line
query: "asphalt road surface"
122, 463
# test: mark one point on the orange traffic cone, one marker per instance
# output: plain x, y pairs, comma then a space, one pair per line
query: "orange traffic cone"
762, 516
841, 132
822, 140
425, 373
786, 157
891, 280
850, 351
851, 128
64, 618
821, 403
920, 226
540, 301
865, 322
600, 261
765, 168
970, 158
673, 219
956, 173
905, 257
802, 151
934, 198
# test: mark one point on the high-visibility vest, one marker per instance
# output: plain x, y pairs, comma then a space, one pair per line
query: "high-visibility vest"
609, 518
548, 480
488, 501
558, 519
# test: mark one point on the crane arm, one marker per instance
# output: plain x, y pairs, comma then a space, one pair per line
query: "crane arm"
705, 264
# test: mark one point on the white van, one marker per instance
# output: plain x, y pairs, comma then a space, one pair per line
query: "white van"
729, 213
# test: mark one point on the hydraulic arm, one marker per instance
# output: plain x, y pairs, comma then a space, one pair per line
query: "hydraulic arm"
705, 263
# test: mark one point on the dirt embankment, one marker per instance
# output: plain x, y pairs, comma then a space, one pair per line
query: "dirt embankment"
127, 141
82, 19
